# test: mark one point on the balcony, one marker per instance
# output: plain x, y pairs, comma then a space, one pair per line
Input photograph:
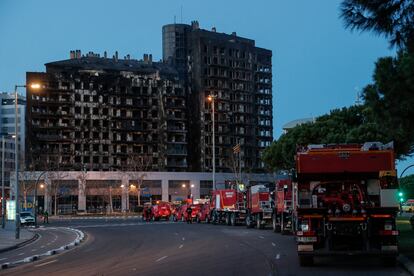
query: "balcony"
178, 164
177, 151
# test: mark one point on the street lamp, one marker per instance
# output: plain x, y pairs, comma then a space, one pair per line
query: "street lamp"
211, 98
35, 195
34, 86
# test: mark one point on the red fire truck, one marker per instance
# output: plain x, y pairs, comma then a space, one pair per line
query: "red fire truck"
162, 210
204, 214
282, 214
345, 201
227, 206
259, 207
180, 214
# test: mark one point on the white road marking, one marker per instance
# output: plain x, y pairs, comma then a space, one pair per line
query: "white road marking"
2, 259
261, 237
277, 256
39, 265
42, 246
160, 259
273, 244
20, 254
183, 239
33, 250
181, 246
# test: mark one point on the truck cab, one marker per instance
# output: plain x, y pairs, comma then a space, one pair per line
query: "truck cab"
282, 209
345, 201
259, 206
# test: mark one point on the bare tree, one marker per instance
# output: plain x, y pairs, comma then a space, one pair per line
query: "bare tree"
136, 169
56, 188
27, 184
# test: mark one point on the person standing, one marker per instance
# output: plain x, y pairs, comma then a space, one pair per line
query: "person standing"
45, 217
189, 211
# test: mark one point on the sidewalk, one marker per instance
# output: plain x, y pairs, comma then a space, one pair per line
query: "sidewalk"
8, 240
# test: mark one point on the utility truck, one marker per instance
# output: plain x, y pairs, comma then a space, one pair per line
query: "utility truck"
345, 201
282, 209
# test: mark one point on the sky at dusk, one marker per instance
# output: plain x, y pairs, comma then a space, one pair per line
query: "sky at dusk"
318, 65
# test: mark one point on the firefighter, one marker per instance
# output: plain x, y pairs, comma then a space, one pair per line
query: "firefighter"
189, 211
148, 213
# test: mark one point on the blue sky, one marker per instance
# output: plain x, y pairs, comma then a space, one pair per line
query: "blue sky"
317, 64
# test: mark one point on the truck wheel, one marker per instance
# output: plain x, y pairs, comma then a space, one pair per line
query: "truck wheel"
228, 219
306, 260
283, 225
258, 222
389, 261
249, 223
214, 218
233, 219
275, 225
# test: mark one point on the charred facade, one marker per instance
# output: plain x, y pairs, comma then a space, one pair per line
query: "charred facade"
239, 74
98, 113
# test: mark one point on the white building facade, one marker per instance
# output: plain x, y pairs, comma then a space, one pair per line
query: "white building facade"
78, 191
7, 131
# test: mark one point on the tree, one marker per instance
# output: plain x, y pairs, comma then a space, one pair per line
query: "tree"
136, 166
354, 124
56, 188
392, 18
407, 186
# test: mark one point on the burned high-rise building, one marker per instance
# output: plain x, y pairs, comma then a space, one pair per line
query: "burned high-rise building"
239, 75
100, 113
107, 113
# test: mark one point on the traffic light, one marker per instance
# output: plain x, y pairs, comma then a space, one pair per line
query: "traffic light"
401, 196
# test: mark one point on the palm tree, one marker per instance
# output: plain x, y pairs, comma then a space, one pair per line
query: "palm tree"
392, 18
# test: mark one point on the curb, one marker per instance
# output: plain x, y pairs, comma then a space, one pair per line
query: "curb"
35, 237
80, 237
406, 263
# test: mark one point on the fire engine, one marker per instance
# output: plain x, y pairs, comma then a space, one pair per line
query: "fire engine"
227, 206
345, 201
162, 210
259, 207
282, 210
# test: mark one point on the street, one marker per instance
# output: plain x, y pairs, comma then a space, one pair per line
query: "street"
133, 247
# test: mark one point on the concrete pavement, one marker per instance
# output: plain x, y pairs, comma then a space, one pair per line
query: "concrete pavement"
8, 239
166, 248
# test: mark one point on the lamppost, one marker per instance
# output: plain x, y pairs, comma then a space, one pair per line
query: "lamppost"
35, 196
16, 153
212, 98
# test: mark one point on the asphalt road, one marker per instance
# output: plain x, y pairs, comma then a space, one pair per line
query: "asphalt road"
131, 247
49, 238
